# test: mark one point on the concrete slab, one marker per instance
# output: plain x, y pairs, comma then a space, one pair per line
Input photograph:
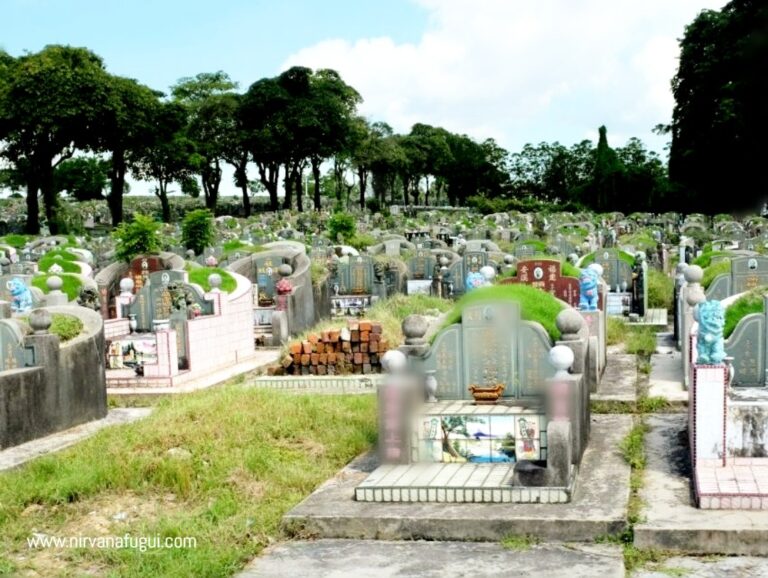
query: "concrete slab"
598, 507
18, 455
619, 381
672, 521
666, 379
379, 559
260, 359
747, 566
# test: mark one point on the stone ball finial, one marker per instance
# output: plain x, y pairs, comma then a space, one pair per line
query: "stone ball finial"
561, 358
488, 272
444, 261
190, 254
214, 280
126, 285
414, 329
54, 283
40, 321
569, 322
693, 274
509, 259
5, 261
285, 270
393, 361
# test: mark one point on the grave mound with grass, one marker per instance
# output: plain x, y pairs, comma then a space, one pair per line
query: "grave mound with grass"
67, 327
62, 258
535, 305
705, 259
714, 270
750, 303
199, 276
71, 284
623, 255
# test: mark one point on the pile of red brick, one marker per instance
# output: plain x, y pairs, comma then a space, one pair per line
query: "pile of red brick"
357, 348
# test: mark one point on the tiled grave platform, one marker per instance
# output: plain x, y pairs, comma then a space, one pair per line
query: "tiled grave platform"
672, 520
460, 483
655, 317
741, 484
597, 508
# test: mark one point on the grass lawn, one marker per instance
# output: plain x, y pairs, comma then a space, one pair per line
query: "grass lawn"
252, 455
752, 302
200, 275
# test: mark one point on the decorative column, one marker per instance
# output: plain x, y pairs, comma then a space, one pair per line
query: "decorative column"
283, 286
398, 400
692, 294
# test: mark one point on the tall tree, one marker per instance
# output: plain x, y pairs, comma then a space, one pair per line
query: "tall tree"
721, 113
50, 105
209, 113
84, 178
126, 124
168, 156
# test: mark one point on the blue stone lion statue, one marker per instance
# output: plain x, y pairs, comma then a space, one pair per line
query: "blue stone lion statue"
709, 344
589, 281
21, 296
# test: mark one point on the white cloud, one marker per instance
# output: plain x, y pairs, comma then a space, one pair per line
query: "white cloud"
521, 71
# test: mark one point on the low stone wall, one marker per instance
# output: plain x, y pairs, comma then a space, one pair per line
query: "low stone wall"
66, 386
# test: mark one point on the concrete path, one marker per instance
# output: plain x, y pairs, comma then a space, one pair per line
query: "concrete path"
745, 567
379, 559
18, 455
666, 379
619, 381
672, 521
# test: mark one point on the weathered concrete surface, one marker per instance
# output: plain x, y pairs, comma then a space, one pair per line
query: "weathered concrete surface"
672, 521
18, 455
744, 567
619, 381
378, 559
599, 505
666, 379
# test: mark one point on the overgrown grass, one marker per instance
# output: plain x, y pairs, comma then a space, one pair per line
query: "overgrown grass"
519, 543
252, 455
535, 305
62, 258
715, 269
641, 341
616, 331
750, 303
71, 284
661, 290
705, 259
200, 275
319, 273
229, 248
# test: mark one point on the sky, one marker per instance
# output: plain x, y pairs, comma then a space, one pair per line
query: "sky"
516, 70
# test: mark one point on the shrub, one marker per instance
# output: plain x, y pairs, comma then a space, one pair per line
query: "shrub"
535, 305
750, 303
197, 231
660, 290
342, 226
139, 237
705, 259
65, 326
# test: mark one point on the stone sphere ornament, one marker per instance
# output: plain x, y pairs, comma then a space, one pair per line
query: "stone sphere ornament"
126, 285
54, 283
214, 280
40, 321
561, 358
488, 272
393, 361
693, 274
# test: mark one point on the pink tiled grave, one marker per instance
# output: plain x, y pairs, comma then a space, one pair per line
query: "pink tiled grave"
740, 484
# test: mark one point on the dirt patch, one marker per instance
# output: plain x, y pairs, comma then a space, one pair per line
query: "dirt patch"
104, 515
245, 483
